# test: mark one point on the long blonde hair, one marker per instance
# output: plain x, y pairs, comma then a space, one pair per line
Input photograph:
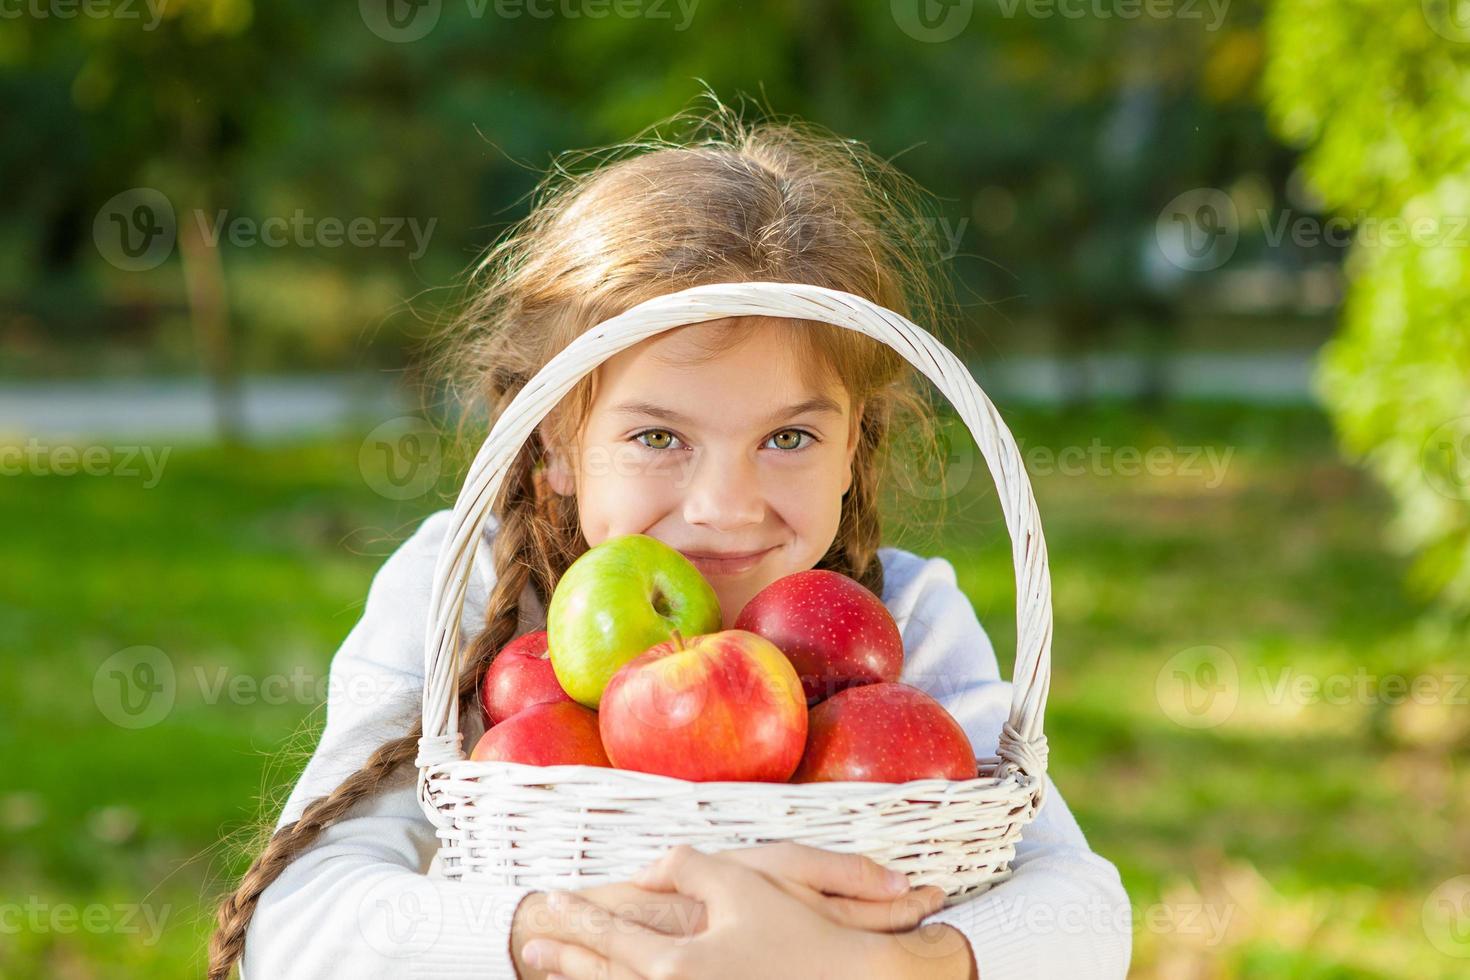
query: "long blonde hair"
721, 200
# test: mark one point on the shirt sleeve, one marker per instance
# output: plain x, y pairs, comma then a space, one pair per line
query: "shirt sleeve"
1064, 911
358, 902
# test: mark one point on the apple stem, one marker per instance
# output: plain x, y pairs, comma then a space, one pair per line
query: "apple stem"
678, 641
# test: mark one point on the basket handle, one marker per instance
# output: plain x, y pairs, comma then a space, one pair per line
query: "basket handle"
1022, 743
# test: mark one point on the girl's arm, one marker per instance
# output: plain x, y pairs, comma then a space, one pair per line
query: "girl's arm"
1064, 911
357, 902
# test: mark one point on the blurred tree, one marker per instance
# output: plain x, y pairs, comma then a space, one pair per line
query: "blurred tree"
1378, 91
1067, 137
1052, 140
167, 95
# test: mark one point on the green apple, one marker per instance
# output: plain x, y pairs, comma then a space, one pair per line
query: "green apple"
615, 601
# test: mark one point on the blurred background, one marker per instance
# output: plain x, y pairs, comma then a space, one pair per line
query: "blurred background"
1214, 261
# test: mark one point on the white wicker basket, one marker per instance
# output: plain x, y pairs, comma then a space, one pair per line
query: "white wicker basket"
574, 826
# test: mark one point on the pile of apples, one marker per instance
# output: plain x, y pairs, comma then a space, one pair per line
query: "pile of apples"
635, 671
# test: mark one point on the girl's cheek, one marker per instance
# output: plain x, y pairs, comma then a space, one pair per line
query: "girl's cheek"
614, 464
642, 499
815, 480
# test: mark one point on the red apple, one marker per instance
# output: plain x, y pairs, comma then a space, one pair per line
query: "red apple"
518, 677
553, 733
836, 632
721, 706
884, 733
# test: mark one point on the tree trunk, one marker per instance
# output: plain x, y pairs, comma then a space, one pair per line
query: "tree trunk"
209, 315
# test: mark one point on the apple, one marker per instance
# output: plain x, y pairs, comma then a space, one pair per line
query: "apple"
835, 631
724, 706
614, 602
552, 733
520, 676
884, 733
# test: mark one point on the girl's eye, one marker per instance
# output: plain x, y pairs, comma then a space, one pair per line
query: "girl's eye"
788, 440
793, 441
668, 436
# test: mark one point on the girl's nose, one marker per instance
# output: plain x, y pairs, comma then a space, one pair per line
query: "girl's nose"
724, 493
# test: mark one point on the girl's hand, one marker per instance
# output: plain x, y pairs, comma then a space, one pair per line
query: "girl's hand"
849, 889
754, 927
667, 912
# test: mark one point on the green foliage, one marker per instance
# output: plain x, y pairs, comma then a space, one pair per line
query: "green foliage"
1378, 93
1052, 142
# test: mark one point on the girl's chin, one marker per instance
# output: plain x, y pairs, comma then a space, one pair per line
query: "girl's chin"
733, 596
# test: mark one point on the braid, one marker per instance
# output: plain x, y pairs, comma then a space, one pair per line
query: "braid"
518, 543
514, 546
228, 941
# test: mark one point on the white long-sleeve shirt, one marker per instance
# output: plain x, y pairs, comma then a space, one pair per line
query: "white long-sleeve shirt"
366, 901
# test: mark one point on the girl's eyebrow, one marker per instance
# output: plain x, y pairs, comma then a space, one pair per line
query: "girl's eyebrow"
819, 403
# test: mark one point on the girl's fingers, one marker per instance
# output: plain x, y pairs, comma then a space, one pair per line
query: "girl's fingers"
886, 915
621, 942
690, 871
849, 889
682, 918
896, 915
667, 911
573, 962
850, 875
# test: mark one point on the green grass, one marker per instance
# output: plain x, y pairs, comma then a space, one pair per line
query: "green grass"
1320, 829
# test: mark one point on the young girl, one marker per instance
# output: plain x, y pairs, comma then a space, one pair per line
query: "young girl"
761, 438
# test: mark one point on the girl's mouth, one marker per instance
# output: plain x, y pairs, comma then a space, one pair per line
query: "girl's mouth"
726, 566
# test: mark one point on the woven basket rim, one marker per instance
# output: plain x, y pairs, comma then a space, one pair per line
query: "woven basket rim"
470, 768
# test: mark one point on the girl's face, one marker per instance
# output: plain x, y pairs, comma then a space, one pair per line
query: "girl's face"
728, 455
